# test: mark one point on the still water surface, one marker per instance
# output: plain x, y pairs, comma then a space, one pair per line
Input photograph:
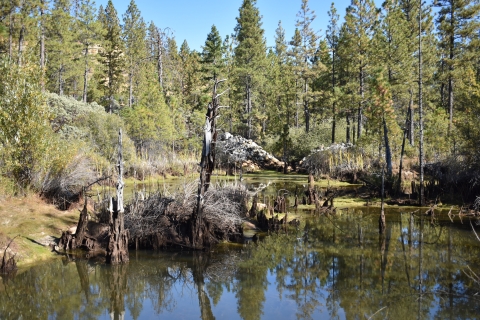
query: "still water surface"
333, 267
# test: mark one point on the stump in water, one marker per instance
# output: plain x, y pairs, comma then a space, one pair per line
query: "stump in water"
8, 263
253, 210
310, 193
117, 250
280, 204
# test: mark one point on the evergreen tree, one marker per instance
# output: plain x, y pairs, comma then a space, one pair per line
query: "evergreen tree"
134, 34
458, 23
307, 66
88, 35
360, 23
295, 54
111, 55
332, 41
61, 47
212, 54
283, 94
249, 60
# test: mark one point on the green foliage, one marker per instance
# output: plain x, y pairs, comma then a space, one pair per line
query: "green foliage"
212, 54
111, 56
86, 127
249, 62
27, 144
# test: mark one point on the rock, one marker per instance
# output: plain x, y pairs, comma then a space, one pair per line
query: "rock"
236, 149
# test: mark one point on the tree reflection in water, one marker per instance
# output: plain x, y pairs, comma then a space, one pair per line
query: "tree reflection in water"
333, 267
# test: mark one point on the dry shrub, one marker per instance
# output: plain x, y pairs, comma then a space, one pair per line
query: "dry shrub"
224, 208
337, 161
65, 186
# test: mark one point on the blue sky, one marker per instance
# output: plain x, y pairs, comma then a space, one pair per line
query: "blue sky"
192, 20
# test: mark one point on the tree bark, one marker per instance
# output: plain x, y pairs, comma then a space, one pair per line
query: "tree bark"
117, 250
21, 39
420, 103
450, 69
207, 164
381, 220
360, 105
160, 57
405, 130
348, 128
60, 80
249, 108
334, 105
411, 126
10, 36
388, 151
85, 76
42, 45
305, 107
130, 88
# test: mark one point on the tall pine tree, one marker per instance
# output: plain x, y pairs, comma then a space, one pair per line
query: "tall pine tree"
111, 55
134, 37
458, 23
249, 60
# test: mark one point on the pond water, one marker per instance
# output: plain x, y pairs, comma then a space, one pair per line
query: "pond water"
329, 267
335, 267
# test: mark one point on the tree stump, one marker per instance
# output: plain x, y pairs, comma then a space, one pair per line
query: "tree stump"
117, 249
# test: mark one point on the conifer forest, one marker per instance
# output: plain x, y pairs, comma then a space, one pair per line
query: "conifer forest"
398, 82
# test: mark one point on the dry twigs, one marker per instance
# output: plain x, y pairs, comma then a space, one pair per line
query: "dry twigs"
164, 219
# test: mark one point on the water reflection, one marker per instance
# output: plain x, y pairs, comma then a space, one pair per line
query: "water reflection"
330, 267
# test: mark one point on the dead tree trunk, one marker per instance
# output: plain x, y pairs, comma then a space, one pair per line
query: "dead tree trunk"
117, 250
207, 163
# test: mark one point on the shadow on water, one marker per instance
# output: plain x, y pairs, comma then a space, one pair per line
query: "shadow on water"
335, 267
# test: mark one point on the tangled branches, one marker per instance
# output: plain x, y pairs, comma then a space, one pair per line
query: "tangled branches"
160, 219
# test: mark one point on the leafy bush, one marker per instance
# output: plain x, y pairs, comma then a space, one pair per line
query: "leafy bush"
27, 143
88, 125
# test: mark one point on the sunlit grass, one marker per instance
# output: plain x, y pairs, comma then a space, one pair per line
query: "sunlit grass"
32, 220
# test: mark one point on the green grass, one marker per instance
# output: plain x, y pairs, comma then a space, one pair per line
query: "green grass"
32, 220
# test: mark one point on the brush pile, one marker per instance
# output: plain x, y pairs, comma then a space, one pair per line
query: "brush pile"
163, 220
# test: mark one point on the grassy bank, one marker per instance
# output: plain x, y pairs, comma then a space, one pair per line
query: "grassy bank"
35, 223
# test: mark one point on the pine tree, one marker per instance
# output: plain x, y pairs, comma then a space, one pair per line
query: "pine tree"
307, 66
111, 55
134, 34
295, 54
282, 94
249, 59
212, 55
458, 24
393, 79
60, 45
88, 35
360, 23
332, 40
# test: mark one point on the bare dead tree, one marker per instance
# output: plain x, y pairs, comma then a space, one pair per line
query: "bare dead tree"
207, 165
